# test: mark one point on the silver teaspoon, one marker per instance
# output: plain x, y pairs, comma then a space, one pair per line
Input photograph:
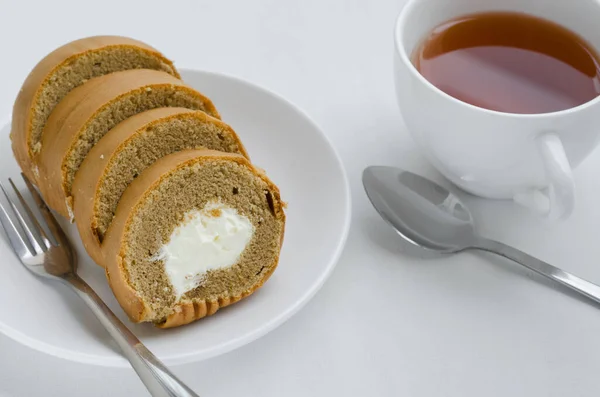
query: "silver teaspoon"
429, 216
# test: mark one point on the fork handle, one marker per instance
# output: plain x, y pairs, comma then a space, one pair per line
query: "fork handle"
159, 381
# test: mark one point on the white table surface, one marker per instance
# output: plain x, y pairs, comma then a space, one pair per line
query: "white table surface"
387, 323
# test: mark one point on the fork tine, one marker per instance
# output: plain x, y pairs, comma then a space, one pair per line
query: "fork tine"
21, 248
32, 224
56, 232
29, 233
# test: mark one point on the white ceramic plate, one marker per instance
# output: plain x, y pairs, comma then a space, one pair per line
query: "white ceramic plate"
296, 155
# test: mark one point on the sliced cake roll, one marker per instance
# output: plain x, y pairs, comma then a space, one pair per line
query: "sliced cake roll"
127, 150
90, 111
196, 231
65, 69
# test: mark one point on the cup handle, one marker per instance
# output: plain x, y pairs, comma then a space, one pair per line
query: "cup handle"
558, 199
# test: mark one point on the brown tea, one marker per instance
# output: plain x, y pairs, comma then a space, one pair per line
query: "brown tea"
510, 62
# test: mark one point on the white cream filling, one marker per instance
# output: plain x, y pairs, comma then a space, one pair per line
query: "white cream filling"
70, 211
209, 239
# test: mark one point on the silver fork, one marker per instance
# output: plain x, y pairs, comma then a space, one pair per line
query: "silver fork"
53, 257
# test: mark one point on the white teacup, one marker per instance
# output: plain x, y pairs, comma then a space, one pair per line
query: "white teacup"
524, 157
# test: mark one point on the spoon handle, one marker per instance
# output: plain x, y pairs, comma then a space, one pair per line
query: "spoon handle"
586, 288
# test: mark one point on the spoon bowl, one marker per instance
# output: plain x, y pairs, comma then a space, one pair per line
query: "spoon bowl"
422, 212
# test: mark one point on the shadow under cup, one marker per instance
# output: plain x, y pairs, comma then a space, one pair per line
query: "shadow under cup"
488, 153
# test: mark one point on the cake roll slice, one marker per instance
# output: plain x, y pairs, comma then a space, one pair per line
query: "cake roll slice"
88, 112
196, 231
61, 71
127, 150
